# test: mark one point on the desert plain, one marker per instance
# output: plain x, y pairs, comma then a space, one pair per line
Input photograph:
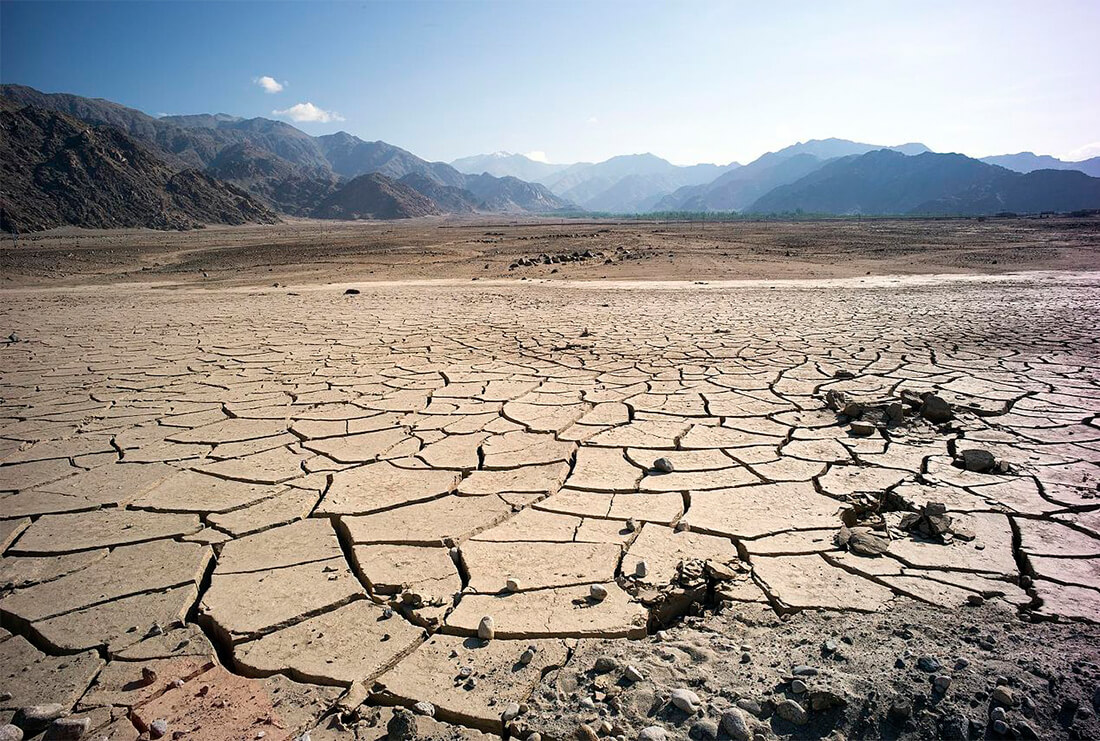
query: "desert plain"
538, 479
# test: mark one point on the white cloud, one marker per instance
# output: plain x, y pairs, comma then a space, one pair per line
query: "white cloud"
593, 120
307, 112
269, 84
538, 156
1083, 152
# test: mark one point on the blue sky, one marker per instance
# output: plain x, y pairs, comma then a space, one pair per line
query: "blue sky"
689, 81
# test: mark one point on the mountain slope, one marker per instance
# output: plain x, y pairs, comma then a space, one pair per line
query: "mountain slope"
375, 196
885, 182
350, 156
738, 189
512, 195
502, 164
447, 198
56, 170
287, 187
1029, 162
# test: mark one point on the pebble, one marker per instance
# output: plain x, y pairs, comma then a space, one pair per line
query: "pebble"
1000, 727
704, 729
955, 728
158, 728
798, 687
633, 674
829, 646
686, 700
535, 737
387, 612
605, 664
585, 732
424, 708
977, 460
486, 629
998, 714
749, 705
653, 733
631, 525
928, 664
402, 726
861, 428
11, 733
801, 670
68, 729
792, 712
941, 683
511, 710
35, 718
527, 656
1026, 730
512, 585
736, 725
1003, 695
664, 465
641, 569
597, 592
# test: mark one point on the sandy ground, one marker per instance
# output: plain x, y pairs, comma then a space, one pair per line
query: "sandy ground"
860, 507
323, 251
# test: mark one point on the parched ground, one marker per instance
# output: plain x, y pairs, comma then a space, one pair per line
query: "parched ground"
280, 512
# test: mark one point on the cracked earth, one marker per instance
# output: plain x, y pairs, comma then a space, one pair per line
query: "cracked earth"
271, 513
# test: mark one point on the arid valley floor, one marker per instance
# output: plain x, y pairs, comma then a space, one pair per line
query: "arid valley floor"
750, 480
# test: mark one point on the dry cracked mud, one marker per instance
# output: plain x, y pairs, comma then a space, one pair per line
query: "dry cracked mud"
864, 510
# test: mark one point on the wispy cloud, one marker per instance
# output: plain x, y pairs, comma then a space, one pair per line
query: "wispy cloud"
593, 120
538, 156
269, 84
307, 112
1084, 152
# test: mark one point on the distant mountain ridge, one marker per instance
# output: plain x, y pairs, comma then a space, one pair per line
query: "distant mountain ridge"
885, 182
290, 170
1029, 162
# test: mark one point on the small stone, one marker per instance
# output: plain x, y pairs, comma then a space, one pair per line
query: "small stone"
749, 705
632, 525
736, 725
631, 672
955, 728
11, 733
704, 729
941, 683
486, 629
597, 592
511, 710
155, 630
928, 664
641, 569
975, 600
424, 708
802, 670
1000, 727
351, 292
998, 713
682, 526
585, 732
605, 664
512, 585
527, 656
653, 733
68, 729
686, 700
35, 718
936, 410
535, 737
829, 646
148, 676
1004, 696
798, 687
402, 726
158, 728
664, 465
861, 428
899, 711
387, 612
1026, 730
977, 460
792, 712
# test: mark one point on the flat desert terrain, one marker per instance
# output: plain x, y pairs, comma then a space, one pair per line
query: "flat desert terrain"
750, 481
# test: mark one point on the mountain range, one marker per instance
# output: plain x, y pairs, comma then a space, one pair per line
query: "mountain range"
91, 162
787, 180
281, 168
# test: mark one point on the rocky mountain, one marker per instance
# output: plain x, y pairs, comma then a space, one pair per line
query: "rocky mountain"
512, 195
375, 196
286, 187
447, 198
1029, 162
281, 164
739, 188
57, 170
503, 164
885, 182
